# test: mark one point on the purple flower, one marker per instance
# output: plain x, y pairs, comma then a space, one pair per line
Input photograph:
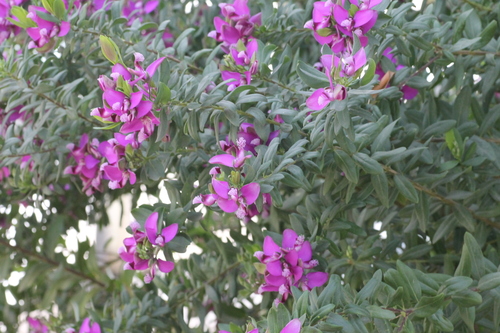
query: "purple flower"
359, 24
323, 96
138, 9
87, 328
285, 265
140, 251
45, 30
408, 92
36, 326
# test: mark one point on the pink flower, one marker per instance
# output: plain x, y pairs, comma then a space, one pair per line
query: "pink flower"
140, 251
45, 30
36, 326
87, 328
285, 265
408, 92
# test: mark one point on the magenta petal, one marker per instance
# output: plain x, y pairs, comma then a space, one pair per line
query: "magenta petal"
275, 280
91, 161
143, 108
132, 177
340, 14
297, 272
95, 328
150, 6
135, 99
241, 7
250, 192
165, 266
34, 33
318, 100
359, 59
151, 227
289, 238
292, 257
270, 246
219, 23
169, 232
305, 252
224, 159
363, 16
221, 188
230, 34
133, 126
140, 264
229, 206
327, 61
122, 70
113, 96
292, 327
85, 328
275, 268
154, 66
65, 28
409, 92
113, 172
316, 279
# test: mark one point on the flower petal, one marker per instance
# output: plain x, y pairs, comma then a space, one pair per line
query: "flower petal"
305, 252
289, 238
169, 232
316, 279
224, 159
221, 188
250, 192
318, 100
270, 246
229, 206
151, 227
165, 266
292, 327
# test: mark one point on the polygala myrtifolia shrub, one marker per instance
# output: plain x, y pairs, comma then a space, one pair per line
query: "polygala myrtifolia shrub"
292, 166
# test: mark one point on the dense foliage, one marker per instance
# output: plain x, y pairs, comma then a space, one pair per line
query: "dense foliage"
293, 166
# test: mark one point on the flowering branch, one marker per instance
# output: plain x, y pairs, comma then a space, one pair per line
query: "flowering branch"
50, 262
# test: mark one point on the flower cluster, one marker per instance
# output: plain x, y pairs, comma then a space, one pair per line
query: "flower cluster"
128, 98
408, 92
337, 27
44, 31
235, 33
231, 195
37, 326
285, 266
7, 29
140, 252
292, 327
86, 327
137, 9
91, 168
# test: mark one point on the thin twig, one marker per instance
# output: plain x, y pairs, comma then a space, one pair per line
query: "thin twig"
420, 70
444, 200
28, 154
50, 262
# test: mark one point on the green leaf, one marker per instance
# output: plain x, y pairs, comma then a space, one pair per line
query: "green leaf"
370, 72
489, 281
406, 188
464, 218
368, 164
467, 298
347, 165
381, 187
411, 286
428, 306
463, 44
311, 76
378, 312
164, 94
59, 9
110, 50
456, 284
